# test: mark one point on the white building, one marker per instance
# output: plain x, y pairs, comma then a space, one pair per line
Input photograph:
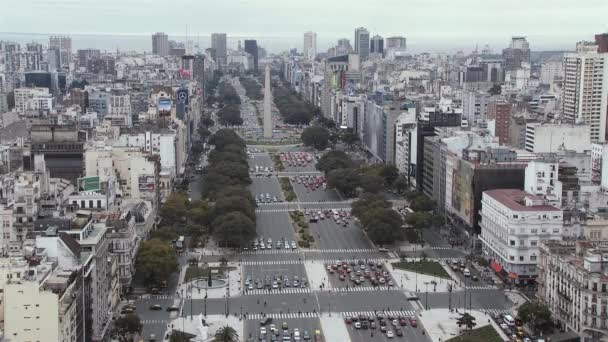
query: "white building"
551, 71
475, 106
550, 137
33, 99
542, 180
405, 140
31, 314
573, 282
310, 45
585, 90
513, 225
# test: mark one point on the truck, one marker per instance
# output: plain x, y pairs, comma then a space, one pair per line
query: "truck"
179, 244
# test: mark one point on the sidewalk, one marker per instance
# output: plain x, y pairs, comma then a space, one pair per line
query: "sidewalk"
233, 285
409, 280
440, 324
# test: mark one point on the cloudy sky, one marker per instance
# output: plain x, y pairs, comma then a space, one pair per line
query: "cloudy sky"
449, 23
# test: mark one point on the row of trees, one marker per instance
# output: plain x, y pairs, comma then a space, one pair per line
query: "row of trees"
382, 224
225, 182
252, 88
230, 115
350, 179
293, 108
316, 136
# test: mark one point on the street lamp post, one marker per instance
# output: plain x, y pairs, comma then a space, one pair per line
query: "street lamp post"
426, 300
450, 296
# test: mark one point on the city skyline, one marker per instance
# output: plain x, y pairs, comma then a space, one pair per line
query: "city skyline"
490, 24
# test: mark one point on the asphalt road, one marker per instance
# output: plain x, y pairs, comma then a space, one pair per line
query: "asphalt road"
260, 272
480, 299
252, 327
265, 185
306, 195
409, 333
330, 235
274, 225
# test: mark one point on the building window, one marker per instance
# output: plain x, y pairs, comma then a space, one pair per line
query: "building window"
521, 258
533, 258
99, 204
533, 243
512, 242
511, 257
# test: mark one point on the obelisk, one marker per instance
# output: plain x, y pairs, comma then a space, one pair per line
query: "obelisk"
267, 106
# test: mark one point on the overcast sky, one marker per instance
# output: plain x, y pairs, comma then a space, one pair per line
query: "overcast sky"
547, 23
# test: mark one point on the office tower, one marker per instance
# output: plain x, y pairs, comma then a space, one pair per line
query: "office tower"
267, 104
362, 42
395, 43
160, 44
585, 89
64, 45
517, 53
218, 43
251, 47
53, 59
85, 54
602, 42
376, 44
310, 45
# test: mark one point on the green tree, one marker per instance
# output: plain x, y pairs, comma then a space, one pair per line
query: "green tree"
126, 326
344, 180
225, 137
156, 260
400, 184
466, 320
422, 203
536, 314
390, 174
384, 226
226, 334
334, 160
371, 183
419, 220
233, 229
227, 204
175, 208
230, 115
316, 136
349, 137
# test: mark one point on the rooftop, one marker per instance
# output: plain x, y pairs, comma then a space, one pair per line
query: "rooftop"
519, 200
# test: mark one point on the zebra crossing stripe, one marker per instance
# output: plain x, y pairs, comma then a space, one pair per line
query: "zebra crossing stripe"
290, 315
341, 250
154, 321
404, 313
160, 297
497, 311
285, 290
271, 262
489, 287
365, 288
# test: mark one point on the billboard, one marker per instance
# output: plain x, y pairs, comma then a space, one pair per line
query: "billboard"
88, 184
182, 96
147, 183
164, 106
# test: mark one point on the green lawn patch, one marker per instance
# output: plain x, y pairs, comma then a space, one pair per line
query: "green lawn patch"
195, 272
290, 195
423, 266
483, 334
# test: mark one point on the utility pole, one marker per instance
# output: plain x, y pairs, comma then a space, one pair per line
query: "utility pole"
450, 296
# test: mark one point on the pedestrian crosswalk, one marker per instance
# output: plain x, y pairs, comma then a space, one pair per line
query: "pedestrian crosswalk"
286, 290
342, 250
487, 287
154, 321
393, 313
271, 251
441, 248
497, 311
349, 261
287, 315
365, 288
161, 297
271, 262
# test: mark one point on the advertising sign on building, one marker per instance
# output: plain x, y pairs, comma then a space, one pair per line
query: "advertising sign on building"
182, 96
164, 106
88, 184
146, 183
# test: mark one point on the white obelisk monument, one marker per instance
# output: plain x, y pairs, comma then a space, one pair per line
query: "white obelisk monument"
267, 106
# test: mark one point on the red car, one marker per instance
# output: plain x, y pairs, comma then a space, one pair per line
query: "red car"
413, 323
348, 320
402, 322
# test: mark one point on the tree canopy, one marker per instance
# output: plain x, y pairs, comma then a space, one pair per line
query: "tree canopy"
536, 314
230, 115
233, 229
382, 223
316, 136
124, 327
334, 160
224, 137
252, 88
466, 320
156, 260
226, 334
293, 108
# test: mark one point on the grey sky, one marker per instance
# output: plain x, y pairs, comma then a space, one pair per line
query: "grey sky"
552, 23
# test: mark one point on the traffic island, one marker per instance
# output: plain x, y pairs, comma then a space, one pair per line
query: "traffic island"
288, 192
305, 239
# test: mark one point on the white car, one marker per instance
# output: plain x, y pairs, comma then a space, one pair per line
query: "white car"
293, 245
273, 327
357, 325
262, 331
390, 334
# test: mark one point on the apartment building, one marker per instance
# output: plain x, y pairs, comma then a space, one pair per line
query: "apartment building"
513, 225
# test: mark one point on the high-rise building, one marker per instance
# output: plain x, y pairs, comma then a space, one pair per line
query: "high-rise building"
500, 112
218, 43
376, 45
160, 44
85, 54
602, 42
585, 89
64, 45
362, 42
517, 53
251, 47
310, 44
395, 43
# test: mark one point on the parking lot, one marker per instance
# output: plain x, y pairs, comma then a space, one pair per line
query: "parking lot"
305, 328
